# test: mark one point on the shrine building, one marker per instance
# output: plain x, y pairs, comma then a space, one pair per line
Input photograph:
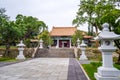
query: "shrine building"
62, 36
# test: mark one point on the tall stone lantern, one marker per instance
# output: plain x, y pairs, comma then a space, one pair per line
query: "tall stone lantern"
83, 48
107, 71
78, 43
41, 43
21, 48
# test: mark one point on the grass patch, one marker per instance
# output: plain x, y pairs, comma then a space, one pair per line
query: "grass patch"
117, 66
92, 68
2, 47
7, 59
12, 47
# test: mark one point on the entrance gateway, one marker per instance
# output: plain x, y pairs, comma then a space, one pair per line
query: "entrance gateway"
62, 36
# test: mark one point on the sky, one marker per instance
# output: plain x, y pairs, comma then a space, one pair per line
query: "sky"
53, 12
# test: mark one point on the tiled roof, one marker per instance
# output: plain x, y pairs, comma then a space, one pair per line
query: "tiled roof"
63, 31
34, 40
88, 36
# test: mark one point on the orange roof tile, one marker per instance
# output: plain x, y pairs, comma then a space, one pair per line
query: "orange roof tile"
63, 31
88, 36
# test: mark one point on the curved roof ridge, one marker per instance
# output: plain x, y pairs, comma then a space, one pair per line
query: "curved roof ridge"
63, 31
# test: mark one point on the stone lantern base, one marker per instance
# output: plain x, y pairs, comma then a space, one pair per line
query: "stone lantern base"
40, 47
20, 57
107, 74
83, 57
98, 77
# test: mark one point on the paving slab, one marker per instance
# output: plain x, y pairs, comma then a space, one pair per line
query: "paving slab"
43, 69
75, 71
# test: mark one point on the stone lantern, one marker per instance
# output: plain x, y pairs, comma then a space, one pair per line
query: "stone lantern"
83, 48
107, 71
21, 48
41, 43
78, 43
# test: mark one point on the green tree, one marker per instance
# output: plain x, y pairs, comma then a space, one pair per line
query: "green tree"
113, 19
8, 32
2, 14
102, 11
77, 35
91, 11
45, 36
30, 26
24, 27
85, 13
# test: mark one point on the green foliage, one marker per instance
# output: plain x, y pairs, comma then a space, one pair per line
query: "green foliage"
117, 66
92, 68
85, 13
27, 42
78, 34
110, 17
29, 26
7, 59
24, 27
45, 36
96, 64
11, 47
2, 14
8, 32
95, 13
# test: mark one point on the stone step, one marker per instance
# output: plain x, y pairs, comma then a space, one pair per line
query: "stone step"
55, 53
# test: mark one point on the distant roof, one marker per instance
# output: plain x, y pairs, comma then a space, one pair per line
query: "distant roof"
63, 31
88, 36
34, 40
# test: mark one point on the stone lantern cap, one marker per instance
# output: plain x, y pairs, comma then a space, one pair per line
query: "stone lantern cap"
106, 34
21, 44
41, 40
83, 44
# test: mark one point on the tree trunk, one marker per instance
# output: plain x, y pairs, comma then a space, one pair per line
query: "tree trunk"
92, 31
96, 29
88, 28
117, 42
7, 51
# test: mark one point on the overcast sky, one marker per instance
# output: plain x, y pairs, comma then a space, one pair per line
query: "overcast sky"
52, 12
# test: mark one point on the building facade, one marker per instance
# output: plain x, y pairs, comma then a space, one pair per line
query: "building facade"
62, 36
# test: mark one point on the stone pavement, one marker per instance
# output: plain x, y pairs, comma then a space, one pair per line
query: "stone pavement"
43, 69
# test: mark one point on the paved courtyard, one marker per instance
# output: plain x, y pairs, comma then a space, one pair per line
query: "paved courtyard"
43, 69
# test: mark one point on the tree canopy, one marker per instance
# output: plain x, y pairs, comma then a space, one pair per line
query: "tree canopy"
29, 26
95, 13
45, 36
24, 27
77, 35
8, 31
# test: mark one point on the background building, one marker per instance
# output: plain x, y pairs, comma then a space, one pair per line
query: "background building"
62, 36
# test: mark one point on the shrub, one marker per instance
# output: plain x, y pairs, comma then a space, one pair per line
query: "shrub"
27, 42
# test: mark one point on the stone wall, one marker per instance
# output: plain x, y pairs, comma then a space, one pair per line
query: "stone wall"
91, 53
14, 52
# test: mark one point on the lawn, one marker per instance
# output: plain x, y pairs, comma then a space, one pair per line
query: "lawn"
92, 68
12, 47
7, 60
